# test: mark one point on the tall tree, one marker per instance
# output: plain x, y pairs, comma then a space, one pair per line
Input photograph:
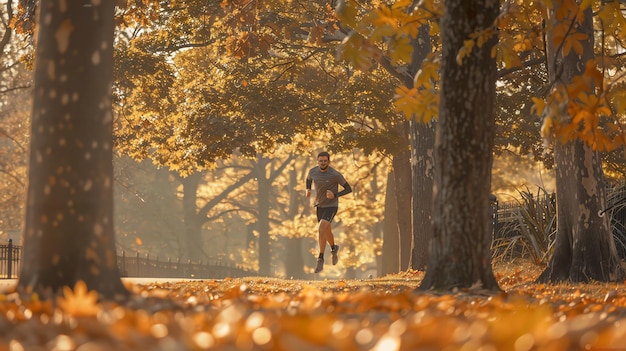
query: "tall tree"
294, 258
396, 38
390, 261
69, 235
422, 139
401, 164
266, 171
459, 250
584, 249
215, 102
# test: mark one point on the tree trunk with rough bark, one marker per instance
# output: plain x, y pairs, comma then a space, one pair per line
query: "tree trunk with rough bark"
584, 249
390, 261
263, 215
460, 254
193, 223
422, 140
294, 262
423, 173
402, 173
68, 235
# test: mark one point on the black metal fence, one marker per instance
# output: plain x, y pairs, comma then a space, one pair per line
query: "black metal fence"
138, 266
10, 260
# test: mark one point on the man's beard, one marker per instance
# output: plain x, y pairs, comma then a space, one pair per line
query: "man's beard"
323, 168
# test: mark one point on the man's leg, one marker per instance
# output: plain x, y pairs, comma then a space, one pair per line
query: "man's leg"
325, 235
330, 238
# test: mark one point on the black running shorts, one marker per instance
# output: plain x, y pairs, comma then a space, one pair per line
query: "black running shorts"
327, 213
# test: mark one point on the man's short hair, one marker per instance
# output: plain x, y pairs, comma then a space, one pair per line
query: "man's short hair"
324, 153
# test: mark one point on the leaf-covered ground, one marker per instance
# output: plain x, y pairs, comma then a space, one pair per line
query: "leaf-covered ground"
375, 314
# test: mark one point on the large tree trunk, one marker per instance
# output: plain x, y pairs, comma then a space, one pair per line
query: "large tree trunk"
193, 222
263, 215
422, 140
390, 262
69, 211
266, 174
377, 227
584, 249
460, 254
402, 173
294, 262
423, 172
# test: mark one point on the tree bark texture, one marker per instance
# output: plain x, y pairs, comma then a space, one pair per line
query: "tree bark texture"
402, 173
193, 222
266, 174
460, 254
423, 173
584, 249
294, 262
69, 211
391, 237
264, 184
422, 139
422, 146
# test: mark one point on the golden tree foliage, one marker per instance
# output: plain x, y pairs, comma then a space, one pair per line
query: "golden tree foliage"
193, 87
211, 80
594, 103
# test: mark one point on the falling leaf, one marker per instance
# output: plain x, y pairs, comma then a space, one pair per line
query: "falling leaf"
79, 302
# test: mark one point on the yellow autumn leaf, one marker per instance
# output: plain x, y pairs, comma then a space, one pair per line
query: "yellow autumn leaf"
428, 109
468, 45
546, 127
522, 44
384, 16
483, 37
402, 4
79, 302
427, 75
400, 50
347, 12
411, 26
538, 105
592, 73
608, 14
574, 42
602, 142
405, 101
355, 50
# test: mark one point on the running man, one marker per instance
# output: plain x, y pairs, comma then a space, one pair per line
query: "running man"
327, 181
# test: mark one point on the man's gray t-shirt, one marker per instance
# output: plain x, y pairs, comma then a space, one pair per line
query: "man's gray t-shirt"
329, 180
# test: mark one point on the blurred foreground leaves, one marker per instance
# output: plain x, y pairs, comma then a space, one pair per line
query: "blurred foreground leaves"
374, 314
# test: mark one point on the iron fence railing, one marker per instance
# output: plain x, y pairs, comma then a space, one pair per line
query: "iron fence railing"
138, 266
146, 266
10, 260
